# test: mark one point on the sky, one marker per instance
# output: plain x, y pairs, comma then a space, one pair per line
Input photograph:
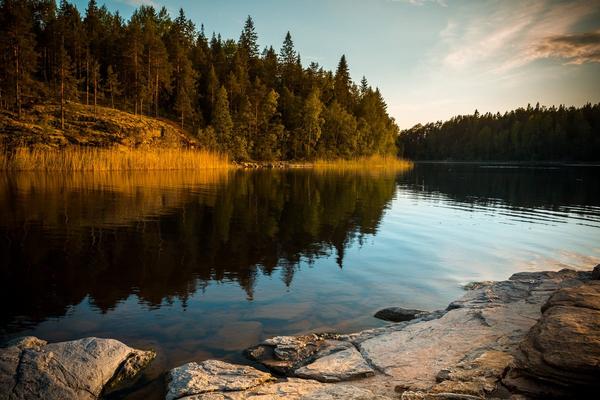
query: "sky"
432, 59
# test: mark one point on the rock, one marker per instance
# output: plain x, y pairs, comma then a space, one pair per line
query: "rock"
78, 369
285, 354
560, 356
596, 273
343, 392
212, 376
336, 367
26, 342
492, 318
477, 377
397, 314
292, 388
477, 285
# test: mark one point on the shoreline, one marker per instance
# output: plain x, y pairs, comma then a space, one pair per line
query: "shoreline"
493, 342
516, 164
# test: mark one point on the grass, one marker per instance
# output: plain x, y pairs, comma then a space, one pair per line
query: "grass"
76, 158
364, 163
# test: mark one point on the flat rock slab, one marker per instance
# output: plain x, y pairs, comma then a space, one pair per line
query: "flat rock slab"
340, 366
212, 376
493, 317
78, 369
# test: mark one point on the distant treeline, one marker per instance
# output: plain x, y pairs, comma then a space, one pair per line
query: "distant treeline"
233, 96
525, 134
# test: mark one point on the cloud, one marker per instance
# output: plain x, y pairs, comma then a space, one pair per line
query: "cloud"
575, 48
511, 35
442, 3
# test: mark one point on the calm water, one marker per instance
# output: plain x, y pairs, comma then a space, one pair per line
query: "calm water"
204, 266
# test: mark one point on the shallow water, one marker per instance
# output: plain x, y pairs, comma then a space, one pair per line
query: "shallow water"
204, 265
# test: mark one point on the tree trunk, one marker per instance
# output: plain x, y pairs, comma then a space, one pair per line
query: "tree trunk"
62, 94
87, 80
17, 85
156, 96
95, 90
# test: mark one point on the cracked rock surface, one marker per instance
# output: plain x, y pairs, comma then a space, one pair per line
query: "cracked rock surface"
31, 368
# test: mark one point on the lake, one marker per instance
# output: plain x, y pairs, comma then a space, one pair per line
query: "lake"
202, 265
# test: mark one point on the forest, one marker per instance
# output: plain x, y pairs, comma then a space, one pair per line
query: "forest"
525, 134
233, 96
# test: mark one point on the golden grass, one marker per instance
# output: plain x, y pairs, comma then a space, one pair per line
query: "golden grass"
110, 159
364, 163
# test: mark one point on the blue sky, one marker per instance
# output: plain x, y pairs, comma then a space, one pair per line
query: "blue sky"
432, 59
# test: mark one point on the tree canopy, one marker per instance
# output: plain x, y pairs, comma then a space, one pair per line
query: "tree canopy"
253, 104
525, 134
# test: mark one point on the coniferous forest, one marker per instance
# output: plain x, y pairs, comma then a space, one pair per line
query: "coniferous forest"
525, 134
235, 97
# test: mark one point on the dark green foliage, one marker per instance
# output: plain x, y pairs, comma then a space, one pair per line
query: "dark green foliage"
531, 134
236, 99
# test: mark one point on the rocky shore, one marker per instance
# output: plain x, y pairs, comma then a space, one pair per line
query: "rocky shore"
535, 335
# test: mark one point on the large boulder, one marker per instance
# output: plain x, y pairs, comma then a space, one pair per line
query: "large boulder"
560, 356
30, 368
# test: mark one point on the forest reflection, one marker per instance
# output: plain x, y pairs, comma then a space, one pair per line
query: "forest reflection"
163, 236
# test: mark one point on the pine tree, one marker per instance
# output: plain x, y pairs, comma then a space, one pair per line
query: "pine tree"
17, 47
221, 120
287, 55
342, 83
312, 122
113, 84
68, 81
249, 39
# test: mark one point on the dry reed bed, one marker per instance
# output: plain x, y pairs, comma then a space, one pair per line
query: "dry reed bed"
364, 163
110, 159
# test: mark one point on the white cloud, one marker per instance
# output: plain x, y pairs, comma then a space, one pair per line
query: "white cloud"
510, 37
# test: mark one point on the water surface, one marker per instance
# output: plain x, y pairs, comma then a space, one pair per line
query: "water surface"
203, 265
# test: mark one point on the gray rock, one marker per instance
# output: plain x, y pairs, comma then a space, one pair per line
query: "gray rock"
193, 379
560, 356
340, 366
398, 314
77, 369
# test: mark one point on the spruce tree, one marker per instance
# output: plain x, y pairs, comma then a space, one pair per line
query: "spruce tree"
249, 39
221, 120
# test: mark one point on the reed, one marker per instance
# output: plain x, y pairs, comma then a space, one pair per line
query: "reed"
364, 163
110, 159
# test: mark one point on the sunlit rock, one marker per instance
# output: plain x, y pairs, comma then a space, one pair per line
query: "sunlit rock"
342, 365
77, 369
212, 376
560, 356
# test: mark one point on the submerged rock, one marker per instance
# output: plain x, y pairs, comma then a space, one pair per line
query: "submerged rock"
398, 314
560, 356
77, 369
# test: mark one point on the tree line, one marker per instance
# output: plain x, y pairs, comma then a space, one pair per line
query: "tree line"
235, 98
525, 134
